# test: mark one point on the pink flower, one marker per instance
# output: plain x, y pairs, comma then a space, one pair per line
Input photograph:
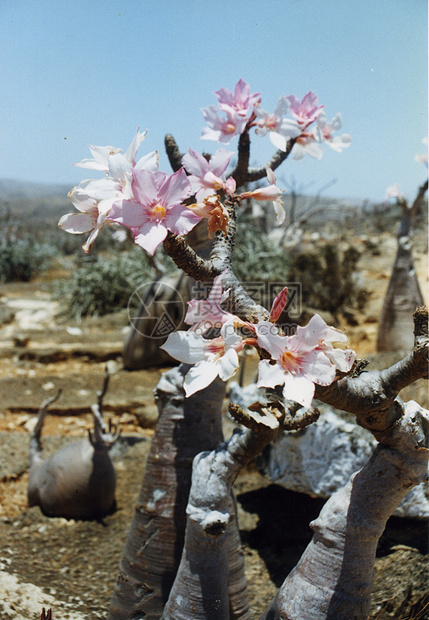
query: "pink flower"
93, 199
205, 314
325, 130
271, 192
205, 176
241, 101
306, 144
111, 160
300, 360
156, 208
237, 108
212, 358
305, 111
222, 129
280, 129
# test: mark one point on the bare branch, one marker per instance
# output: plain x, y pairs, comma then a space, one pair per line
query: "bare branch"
35, 444
261, 418
254, 174
101, 393
419, 198
242, 174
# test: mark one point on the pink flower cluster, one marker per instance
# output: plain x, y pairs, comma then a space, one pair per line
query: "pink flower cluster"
134, 194
151, 203
236, 108
296, 362
241, 110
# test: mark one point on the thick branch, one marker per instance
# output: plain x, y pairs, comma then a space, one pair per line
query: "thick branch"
371, 395
188, 260
240, 172
239, 302
173, 153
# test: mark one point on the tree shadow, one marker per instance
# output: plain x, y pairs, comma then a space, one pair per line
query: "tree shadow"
282, 532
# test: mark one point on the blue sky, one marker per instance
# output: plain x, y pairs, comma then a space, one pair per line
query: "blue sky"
91, 71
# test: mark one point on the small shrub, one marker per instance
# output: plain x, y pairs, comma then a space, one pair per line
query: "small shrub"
21, 259
103, 283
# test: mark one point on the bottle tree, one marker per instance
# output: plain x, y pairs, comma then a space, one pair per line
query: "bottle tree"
182, 557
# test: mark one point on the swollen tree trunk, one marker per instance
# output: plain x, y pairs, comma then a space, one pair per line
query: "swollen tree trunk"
403, 293
153, 548
334, 578
186, 426
201, 590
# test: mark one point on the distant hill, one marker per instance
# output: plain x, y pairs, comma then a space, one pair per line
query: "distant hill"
13, 189
43, 203
37, 202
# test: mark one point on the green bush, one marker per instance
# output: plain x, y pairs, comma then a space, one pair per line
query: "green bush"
21, 259
329, 278
104, 283
256, 258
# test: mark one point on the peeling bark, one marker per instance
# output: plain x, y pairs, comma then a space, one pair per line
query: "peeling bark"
333, 580
154, 544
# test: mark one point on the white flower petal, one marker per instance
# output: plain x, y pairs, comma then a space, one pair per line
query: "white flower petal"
148, 162
77, 223
270, 375
186, 347
279, 141
342, 359
228, 364
135, 144
118, 166
298, 388
200, 376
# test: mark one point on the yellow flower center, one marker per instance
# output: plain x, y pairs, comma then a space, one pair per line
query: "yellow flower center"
158, 212
290, 362
228, 128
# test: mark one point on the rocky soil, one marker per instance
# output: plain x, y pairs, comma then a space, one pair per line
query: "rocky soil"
71, 566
